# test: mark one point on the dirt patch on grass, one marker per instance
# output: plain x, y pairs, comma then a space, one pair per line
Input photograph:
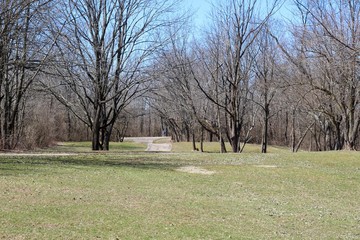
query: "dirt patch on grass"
154, 144
158, 147
266, 166
195, 170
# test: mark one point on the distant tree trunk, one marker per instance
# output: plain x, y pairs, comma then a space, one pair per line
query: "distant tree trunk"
286, 138
96, 130
194, 142
338, 143
149, 126
303, 137
187, 133
316, 138
202, 140
142, 125
69, 125
328, 141
211, 136
349, 145
265, 129
106, 143
96, 140
293, 131
352, 130
235, 133
222, 144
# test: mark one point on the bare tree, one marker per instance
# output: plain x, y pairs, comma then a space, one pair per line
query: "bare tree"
104, 53
176, 93
267, 66
24, 49
326, 57
237, 25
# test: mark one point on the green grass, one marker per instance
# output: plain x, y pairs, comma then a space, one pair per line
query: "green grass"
214, 147
131, 194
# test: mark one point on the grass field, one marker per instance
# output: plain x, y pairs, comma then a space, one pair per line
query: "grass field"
131, 194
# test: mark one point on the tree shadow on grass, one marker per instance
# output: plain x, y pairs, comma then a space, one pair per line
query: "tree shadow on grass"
21, 164
134, 163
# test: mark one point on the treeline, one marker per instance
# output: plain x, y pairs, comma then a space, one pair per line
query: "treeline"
102, 70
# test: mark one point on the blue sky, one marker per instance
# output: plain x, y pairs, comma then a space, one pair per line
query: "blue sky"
203, 7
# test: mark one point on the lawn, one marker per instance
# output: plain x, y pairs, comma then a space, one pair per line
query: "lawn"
131, 194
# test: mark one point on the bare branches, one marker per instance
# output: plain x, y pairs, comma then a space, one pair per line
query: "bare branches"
24, 51
109, 45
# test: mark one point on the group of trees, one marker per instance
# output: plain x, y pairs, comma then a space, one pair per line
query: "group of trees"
255, 78
92, 56
24, 49
87, 69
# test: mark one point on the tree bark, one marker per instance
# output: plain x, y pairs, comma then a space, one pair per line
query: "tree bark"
265, 128
202, 140
194, 142
223, 147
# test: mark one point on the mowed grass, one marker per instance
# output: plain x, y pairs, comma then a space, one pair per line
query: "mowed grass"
85, 147
214, 147
131, 194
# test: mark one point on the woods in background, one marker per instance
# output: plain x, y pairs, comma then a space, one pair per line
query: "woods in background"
102, 70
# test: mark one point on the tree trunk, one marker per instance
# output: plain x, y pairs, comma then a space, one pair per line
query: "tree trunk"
265, 137
142, 121
235, 139
7, 110
149, 127
202, 140
265, 130
328, 141
187, 133
303, 137
69, 125
316, 139
338, 143
286, 138
96, 130
106, 142
194, 142
223, 147
352, 132
349, 145
293, 132
96, 139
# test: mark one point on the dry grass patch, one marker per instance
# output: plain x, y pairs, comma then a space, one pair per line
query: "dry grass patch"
266, 166
196, 170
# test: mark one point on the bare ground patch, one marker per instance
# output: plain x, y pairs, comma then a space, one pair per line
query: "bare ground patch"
152, 146
195, 170
266, 166
158, 147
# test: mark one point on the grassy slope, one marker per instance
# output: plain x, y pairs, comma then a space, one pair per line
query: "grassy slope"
137, 195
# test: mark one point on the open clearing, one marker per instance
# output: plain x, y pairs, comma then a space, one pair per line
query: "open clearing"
129, 193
